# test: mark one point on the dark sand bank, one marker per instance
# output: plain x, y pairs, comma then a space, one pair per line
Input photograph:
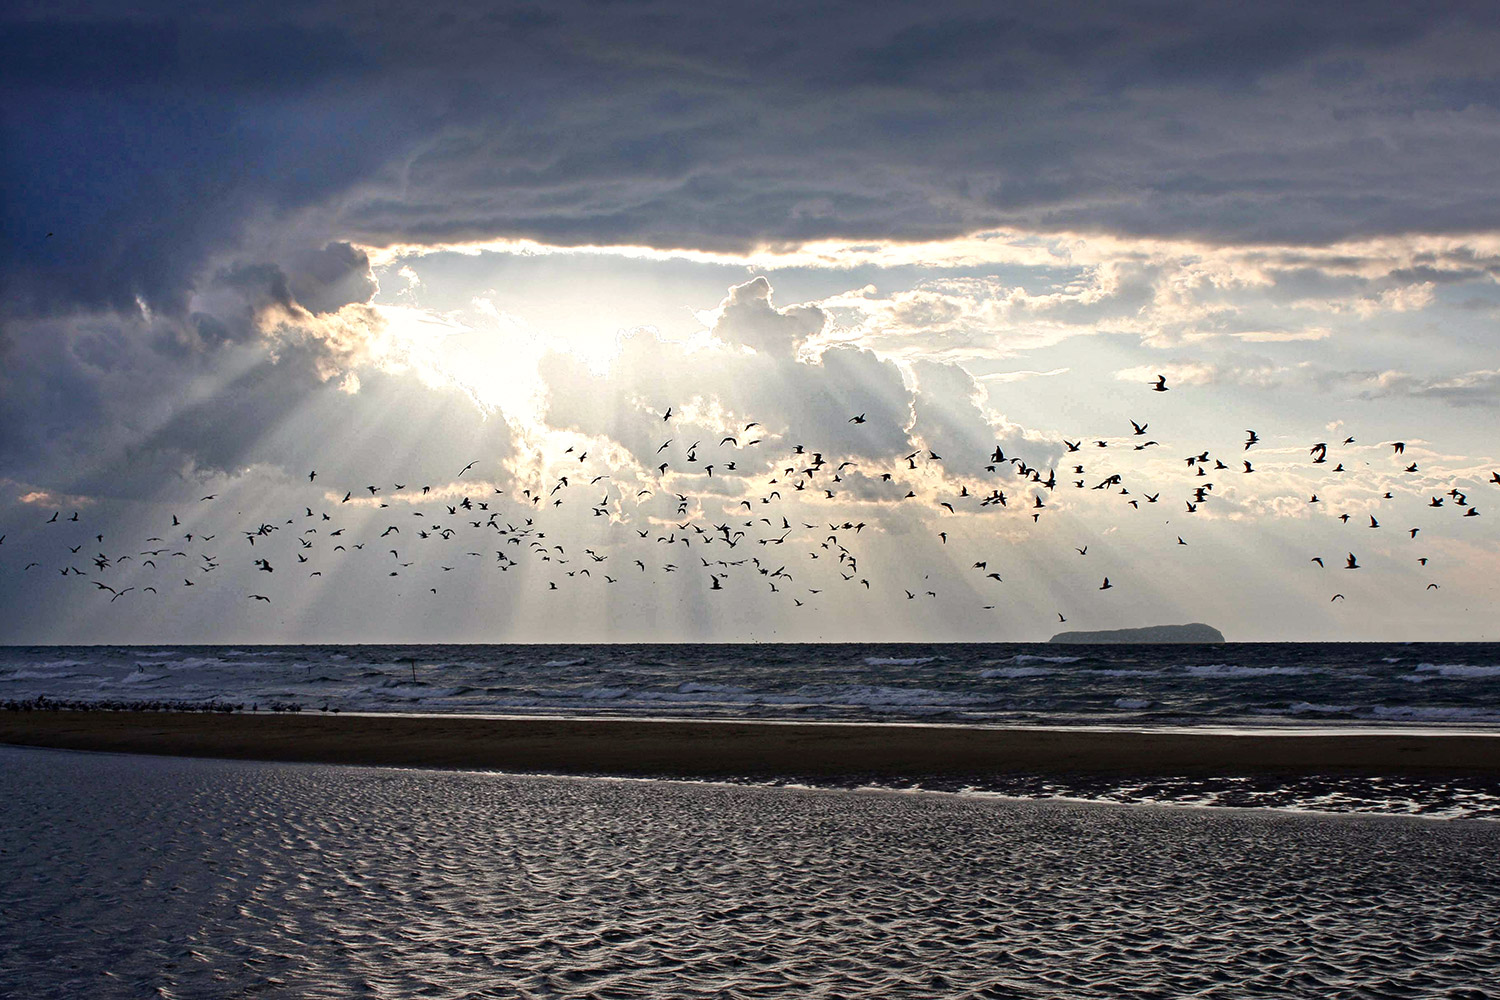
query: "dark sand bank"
689, 748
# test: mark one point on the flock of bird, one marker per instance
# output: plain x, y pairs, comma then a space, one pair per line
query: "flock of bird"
762, 535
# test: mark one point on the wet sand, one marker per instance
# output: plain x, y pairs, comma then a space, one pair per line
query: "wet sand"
747, 749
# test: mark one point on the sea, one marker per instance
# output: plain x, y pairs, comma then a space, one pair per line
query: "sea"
126, 877
1301, 687
1443, 685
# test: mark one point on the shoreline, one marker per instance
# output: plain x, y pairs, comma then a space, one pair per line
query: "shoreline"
723, 748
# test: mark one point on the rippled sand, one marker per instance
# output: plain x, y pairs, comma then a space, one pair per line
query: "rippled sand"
128, 876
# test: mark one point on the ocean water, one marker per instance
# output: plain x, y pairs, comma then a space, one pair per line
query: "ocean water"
131, 876
1426, 685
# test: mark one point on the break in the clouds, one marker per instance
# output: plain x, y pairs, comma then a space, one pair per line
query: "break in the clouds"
246, 242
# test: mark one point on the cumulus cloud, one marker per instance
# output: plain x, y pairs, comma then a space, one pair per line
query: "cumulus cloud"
715, 389
747, 317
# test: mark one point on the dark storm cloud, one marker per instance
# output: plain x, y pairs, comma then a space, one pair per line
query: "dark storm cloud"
147, 143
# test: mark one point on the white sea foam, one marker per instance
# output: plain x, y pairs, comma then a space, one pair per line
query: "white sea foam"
1132, 703
879, 696
1459, 669
139, 677
565, 663
1311, 708
1435, 713
192, 662
1007, 673
698, 687
42, 675
57, 664
897, 661
1235, 670
1037, 658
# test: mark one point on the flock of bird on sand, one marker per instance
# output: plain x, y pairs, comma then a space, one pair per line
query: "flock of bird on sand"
750, 539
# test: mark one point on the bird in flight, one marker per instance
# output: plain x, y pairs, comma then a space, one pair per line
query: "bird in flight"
466, 468
1161, 384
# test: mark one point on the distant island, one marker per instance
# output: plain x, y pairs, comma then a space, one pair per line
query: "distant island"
1196, 632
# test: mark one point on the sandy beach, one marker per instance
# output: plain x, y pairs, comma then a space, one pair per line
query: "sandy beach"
749, 749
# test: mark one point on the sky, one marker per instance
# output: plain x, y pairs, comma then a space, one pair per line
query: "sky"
382, 241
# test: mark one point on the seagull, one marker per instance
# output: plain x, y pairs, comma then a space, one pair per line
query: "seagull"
1161, 384
1106, 584
857, 419
466, 468
1351, 563
1253, 439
